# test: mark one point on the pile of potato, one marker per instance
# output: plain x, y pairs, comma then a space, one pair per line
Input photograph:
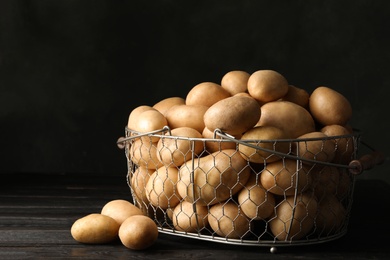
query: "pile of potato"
250, 184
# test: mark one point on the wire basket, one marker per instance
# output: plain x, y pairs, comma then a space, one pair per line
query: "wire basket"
253, 192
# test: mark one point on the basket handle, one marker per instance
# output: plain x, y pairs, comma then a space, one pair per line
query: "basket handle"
366, 162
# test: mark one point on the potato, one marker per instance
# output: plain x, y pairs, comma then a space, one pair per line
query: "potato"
285, 177
262, 136
184, 218
294, 221
235, 81
161, 188
174, 152
138, 232
120, 210
293, 119
325, 180
331, 215
227, 221
134, 115
233, 115
138, 182
164, 105
298, 96
214, 146
319, 150
215, 177
150, 120
206, 94
329, 107
345, 146
186, 116
95, 228
255, 202
267, 85
144, 154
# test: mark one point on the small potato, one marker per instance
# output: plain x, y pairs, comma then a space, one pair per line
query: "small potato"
138, 232
319, 150
138, 182
206, 94
293, 221
325, 180
164, 105
285, 177
235, 81
227, 221
134, 115
185, 219
262, 137
214, 146
186, 116
172, 151
293, 119
267, 85
233, 115
255, 202
298, 96
144, 154
331, 215
216, 177
148, 121
120, 210
329, 107
95, 228
161, 188
345, 146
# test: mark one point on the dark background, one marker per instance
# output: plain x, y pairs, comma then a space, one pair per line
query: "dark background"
72, 71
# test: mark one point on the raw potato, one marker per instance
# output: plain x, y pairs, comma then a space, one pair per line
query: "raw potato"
186, 115
161, 188
285, 177
263, 136
134, 115
325, 180
255, 202
185, 219
331, 215
215, 178
227, 221
150, 120
144, 154
345, 145
293, 119
206, 94
329, 107
214, 146
267, 85
233, 115
294, 221
164, 105
138, 182
235, 81
138, 232
95, 228
321, 150
298, 96
172, 151
120, 210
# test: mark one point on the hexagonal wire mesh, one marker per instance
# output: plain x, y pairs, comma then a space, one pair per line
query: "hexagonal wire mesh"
252, 192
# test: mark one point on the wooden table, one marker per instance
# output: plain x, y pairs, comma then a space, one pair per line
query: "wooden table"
37, 211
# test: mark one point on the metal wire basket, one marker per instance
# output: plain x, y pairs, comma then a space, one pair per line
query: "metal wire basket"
247, 192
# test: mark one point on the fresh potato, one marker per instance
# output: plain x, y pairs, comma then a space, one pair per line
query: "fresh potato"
262, 136
331, 215
184, 218
164, 105
329, 107
267, 85
217, 145
144, 154
227, 221
150, 120
138, 232
235, 81
134, 115
325, 180
298, 96
186, 116
215, 177
95, 228
206, 94
293, 221
293, 119
138, 182
233, 115
319, 150
345, 145
120, 210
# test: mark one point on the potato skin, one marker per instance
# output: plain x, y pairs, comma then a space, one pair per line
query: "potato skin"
95, 228
233, 115
206, 94
186, 116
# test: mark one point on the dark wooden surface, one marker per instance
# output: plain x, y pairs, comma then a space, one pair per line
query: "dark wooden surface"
37, 211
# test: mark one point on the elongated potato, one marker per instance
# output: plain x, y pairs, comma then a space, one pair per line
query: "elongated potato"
206, 94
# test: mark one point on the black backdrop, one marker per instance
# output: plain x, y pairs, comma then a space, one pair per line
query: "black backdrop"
71, 71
